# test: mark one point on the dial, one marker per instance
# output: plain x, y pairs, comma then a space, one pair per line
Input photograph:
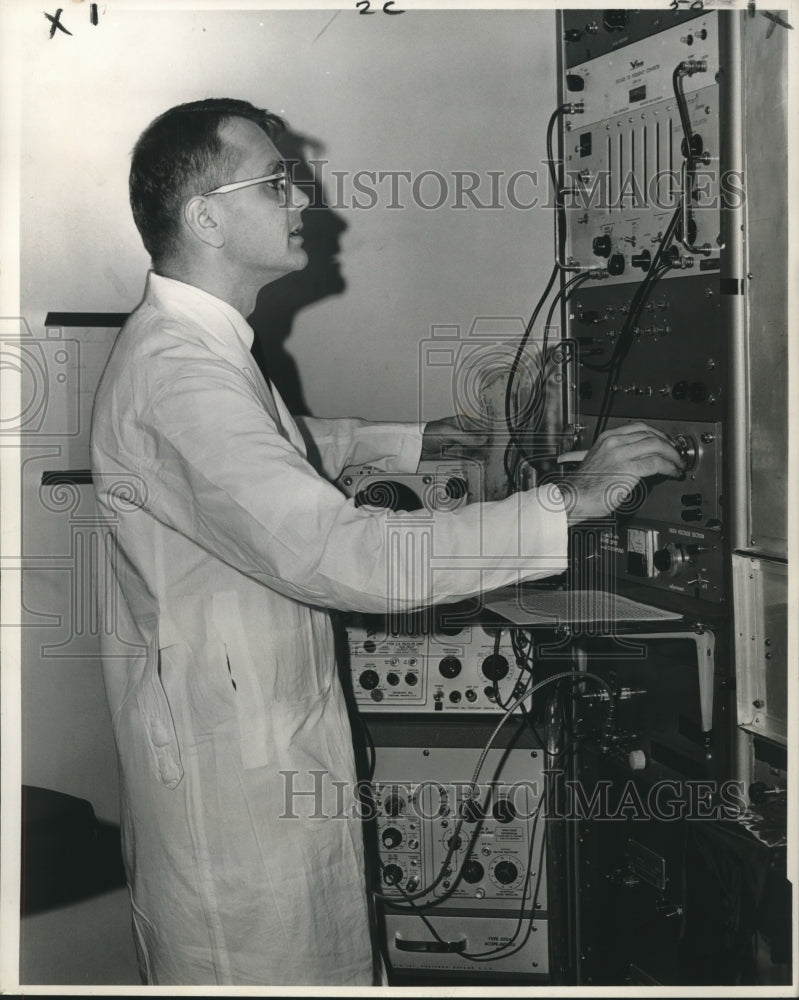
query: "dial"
391, 837
392, 874
472, 872
450, 667
505, 872
495, 667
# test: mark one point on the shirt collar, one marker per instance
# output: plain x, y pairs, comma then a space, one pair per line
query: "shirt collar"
200, 306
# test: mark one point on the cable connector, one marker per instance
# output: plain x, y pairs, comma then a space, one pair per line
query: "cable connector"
599, 273
690, 66
623, 694
573, 108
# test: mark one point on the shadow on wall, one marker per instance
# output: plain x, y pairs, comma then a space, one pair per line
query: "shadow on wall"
279, 303
67, 853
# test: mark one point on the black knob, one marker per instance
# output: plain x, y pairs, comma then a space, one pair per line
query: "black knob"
601, 246
472, 872
392, 874
454, 843
504, 811
394, 805
572, 35
506, 872
393, 679
642, 260
691, 499
449, 667
697, 145
575, 82
616, 264
391, 837
456, 488
455, 697
687, 449
662, 560
495, 667
471, 695
691, 515
411, 679
370, 646
369, 679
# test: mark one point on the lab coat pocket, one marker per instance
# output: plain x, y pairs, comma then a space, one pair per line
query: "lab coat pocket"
254, 722
159, 725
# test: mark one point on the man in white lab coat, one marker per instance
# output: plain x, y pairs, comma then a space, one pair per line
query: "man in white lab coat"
229, 549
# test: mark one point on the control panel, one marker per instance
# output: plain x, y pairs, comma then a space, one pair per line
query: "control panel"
669, 537
626, 156
452, 667
479, 850
644, 191
587, 34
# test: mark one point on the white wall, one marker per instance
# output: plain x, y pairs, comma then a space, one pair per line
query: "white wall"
443, 91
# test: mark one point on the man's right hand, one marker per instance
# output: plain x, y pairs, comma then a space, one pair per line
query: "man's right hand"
618, 460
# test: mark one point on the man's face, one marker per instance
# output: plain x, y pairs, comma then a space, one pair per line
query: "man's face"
261, 223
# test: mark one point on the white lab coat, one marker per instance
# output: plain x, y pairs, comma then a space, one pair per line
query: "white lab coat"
228, 549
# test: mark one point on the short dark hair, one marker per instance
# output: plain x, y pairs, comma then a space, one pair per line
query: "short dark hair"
181, 154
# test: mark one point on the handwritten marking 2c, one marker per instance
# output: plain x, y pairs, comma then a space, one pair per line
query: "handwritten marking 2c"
366, 7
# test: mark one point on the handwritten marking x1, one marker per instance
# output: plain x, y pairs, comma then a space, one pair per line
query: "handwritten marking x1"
56, 21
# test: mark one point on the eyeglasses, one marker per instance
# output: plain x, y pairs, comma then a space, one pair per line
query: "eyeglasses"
281, 182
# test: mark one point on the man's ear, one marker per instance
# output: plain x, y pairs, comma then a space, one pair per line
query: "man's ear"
202, 220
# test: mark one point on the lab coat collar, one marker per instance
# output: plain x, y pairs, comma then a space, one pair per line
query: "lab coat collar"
171, 295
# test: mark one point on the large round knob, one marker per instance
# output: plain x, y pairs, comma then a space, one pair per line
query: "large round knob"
669, 561
392, 874
616, 264
495, 667
506, 872
472, 872
601, 246
449, 667
369, 679
391, 837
